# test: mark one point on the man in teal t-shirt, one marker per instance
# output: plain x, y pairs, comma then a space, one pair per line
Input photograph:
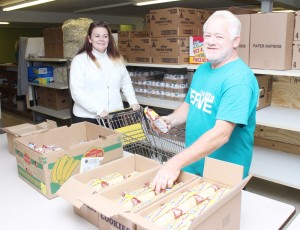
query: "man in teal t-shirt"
220, 107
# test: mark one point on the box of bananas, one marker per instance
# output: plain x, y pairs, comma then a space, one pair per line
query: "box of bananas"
210, 202
47, 160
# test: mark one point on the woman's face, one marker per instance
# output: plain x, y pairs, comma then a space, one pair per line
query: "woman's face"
99, 39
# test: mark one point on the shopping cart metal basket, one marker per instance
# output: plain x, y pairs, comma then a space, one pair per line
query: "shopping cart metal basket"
140, 138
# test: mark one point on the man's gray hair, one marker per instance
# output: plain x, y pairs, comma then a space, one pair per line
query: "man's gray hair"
233, 21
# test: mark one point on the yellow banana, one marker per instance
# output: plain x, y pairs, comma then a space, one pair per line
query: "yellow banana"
70, 171
54, 170
66, 168
60, 167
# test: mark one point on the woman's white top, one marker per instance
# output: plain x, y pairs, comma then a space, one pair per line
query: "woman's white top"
95, 89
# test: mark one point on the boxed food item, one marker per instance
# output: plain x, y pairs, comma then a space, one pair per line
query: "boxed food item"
35, 72
156, 120
196, 54
80, 184
243, 50
130, 196
297, 26
46, 160
265, 91
138, 50
174, 21
218, 207
25, 130
271, 40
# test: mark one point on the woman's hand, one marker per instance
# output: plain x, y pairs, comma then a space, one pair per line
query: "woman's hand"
135, 107
104, 114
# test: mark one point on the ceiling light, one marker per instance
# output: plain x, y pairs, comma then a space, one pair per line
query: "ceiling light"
25, 4
104, 7
154, 2
4, 23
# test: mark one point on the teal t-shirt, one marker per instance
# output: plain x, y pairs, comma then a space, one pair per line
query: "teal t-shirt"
228, 93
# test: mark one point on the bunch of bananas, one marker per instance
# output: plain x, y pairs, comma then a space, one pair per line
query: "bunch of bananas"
63, 169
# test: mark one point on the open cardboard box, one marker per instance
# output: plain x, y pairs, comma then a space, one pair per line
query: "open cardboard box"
223, 215
25, 130
46, 172
103, 203
76, 186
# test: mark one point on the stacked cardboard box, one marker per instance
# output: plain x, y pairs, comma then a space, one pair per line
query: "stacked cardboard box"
296, 42
53, 41
57, 99
46, 171
265, 91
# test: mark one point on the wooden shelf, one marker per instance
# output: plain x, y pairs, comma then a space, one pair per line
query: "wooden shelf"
61, 114
53, 85
46, 59
276, 166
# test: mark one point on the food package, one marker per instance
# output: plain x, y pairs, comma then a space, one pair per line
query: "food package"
156, 120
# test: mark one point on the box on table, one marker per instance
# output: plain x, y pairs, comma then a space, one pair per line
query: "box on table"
271, 41
173, 22
196, 54
76, 186
46, 172
109, 211
223, 214
265, 91
244, 49
170, 50
25, 130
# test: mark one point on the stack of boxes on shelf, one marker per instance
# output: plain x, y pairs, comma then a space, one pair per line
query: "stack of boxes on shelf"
158, 84
53, 40
296, 42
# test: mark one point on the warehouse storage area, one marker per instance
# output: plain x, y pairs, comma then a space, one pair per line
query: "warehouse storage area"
60, 175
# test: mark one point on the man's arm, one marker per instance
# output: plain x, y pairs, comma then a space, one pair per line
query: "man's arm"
206, 144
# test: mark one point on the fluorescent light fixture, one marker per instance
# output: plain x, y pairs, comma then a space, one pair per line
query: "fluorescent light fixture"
25, 4
104, 7
154, 2
4, 23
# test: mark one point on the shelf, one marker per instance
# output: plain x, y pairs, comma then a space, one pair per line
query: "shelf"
47, 59
53, 85
156, 102
61, 114
279, 117
292, 73
276, 166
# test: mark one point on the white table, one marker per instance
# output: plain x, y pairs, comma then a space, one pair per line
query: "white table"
22, 207
295, 225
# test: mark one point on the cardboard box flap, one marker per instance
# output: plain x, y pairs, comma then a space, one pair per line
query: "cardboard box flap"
234, 191
102, 205
72, 189
14, 129
49, 124
223, 172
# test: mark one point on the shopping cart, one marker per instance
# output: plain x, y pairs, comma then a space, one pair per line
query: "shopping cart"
140, 138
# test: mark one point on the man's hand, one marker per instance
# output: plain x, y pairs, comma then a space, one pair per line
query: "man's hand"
165, 178
166, 120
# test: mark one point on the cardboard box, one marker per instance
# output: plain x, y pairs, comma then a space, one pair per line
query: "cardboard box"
223, 214
296, 55
203, 15
196, 54
35, 72
109, 212
57, 99
138, 50
76, 186
265, 91
46, 172
297, 26
271, 40
170, 50
244, 49
173, 22
25, 130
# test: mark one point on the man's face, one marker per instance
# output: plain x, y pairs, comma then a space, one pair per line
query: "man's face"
218, 45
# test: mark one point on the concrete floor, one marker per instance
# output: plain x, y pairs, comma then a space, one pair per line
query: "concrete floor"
262, 187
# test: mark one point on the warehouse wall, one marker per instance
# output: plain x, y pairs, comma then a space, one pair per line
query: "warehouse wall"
8, 38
